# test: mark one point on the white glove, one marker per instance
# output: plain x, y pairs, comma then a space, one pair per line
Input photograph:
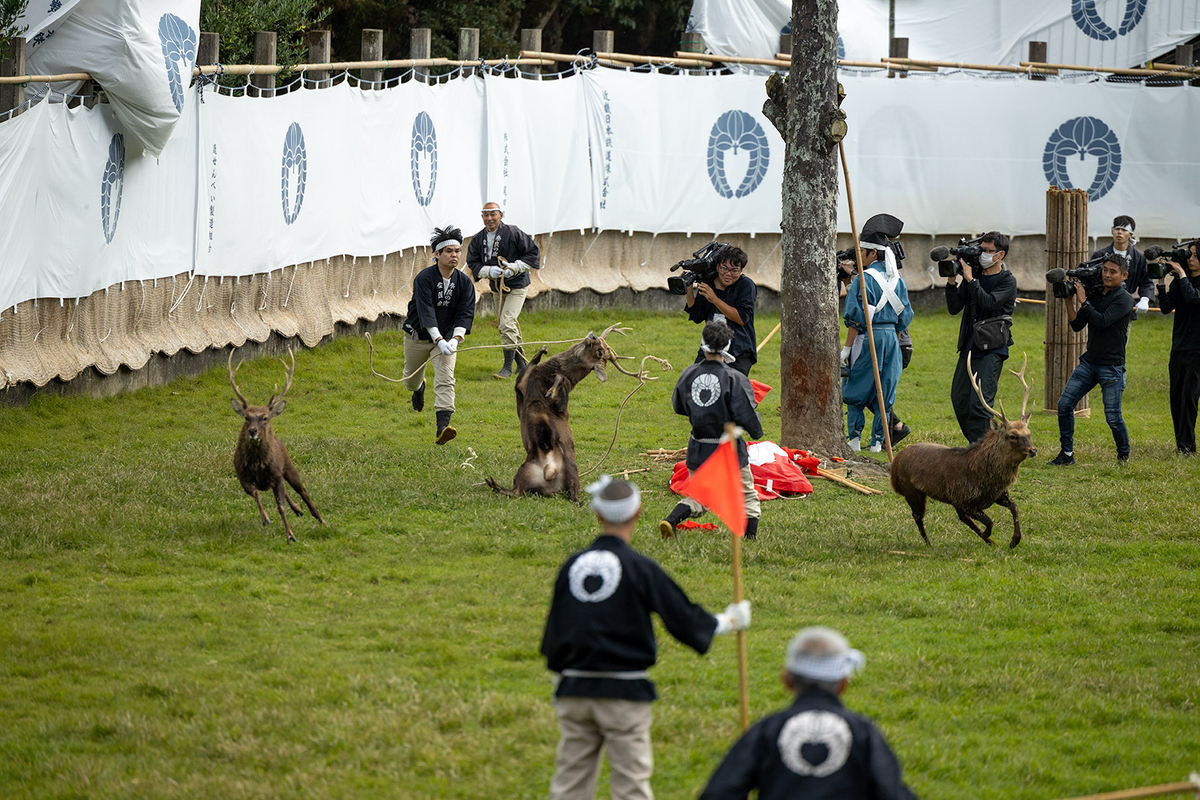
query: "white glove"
493, 272
846, 355
445, 347
735, 617
516, 268
1143, 305
453, 344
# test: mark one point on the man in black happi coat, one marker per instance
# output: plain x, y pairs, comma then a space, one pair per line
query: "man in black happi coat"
599, 638
816, 748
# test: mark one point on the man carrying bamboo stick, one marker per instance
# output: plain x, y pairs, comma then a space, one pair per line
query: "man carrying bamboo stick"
599, 638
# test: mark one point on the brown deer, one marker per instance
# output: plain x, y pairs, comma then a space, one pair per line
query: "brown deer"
969, 478
261, 460
543, 390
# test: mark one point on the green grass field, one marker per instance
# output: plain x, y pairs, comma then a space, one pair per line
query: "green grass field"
158, 642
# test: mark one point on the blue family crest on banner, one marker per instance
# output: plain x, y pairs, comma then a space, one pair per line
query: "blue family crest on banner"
424, 146
111, 186
179, 52
295, 162
737, 130
1088, 18
1083, 136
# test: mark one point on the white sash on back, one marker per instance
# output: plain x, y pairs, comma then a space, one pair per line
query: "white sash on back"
888, 289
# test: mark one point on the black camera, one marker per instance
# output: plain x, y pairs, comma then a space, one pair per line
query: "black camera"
868, 253
1087, 273
702, 266
1158, 259
947, 257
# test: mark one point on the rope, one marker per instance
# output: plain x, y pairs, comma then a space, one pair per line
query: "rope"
643, 376
371, 355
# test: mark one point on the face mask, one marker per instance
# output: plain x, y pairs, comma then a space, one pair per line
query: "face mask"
987, 259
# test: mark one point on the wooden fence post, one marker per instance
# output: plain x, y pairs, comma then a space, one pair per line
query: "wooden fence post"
531, 39
372, 50
13, 64
420, 45
898, 48
691, 42
209, 50
468, 44
1066, 247
602, 41
264, 53
1037, 52
318, 53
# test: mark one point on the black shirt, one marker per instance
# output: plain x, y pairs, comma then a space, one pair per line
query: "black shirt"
983, 298
435, 303
1184, 299
815, 749
512, 243
741, 296
1107, 319
710, 394
600, 620
1138, 280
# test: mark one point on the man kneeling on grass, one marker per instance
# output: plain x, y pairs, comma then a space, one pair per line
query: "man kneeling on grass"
600, 640
816, 748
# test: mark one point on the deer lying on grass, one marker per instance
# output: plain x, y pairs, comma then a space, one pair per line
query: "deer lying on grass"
542, 393
261, 460
969, 478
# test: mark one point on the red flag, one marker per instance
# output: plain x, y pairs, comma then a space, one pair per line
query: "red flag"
760, 390
717, 485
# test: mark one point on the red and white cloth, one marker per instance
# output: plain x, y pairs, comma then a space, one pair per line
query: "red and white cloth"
777, 471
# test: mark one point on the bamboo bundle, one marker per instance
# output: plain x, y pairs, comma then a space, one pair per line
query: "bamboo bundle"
1066, 247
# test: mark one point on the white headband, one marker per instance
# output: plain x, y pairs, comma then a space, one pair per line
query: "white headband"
437, 248
827, 668
889, 257
724, 352
485, 208
1122, 228
617, 511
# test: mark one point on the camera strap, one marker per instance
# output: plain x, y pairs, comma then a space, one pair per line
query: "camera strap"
888, 289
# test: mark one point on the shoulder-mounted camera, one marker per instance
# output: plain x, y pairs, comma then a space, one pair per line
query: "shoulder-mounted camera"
702, 266
1159, 259
947, 257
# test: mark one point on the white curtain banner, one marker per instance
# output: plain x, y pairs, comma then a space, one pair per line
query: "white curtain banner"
683, 153
537, 162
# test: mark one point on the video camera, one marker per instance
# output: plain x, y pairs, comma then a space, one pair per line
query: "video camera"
1087, 273
1157, 258
848, 255
947, 257
702, 266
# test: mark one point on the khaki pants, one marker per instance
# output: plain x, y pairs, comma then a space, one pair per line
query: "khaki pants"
753, 507
590, 723
511, 304
415, 352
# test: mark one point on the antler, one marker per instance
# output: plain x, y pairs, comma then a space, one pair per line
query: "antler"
1028, 388
233, 377
615, 327
291, 371
979, 391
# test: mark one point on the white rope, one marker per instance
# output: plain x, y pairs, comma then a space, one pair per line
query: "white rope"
351, 280
186, 289
203, 289
264, 290
295, 270
589, 247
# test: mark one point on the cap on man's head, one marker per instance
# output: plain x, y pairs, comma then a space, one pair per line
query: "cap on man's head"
822, 654
614, 501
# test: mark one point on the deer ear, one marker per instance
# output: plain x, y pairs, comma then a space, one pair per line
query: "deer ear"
239, 407
997, 424
277, 408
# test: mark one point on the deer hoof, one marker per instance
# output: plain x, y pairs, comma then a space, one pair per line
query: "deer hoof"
291, 537
266, 521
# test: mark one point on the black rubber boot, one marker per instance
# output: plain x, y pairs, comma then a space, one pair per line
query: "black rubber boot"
418, 398
445, 432
751, 529
522, 361
506, 370
677, 515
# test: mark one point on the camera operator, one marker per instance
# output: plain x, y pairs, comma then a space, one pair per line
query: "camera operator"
728, 297
1184, 367
987, 292
1139, 280
1106, 315
890, 310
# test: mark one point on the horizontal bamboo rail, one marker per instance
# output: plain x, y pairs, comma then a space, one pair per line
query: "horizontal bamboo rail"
1163, 71
1148, 791
712, 59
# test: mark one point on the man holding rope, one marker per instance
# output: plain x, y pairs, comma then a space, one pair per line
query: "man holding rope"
443, 300
599, 638
504, 254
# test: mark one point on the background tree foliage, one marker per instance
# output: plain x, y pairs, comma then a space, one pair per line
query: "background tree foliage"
10, 12
236, 21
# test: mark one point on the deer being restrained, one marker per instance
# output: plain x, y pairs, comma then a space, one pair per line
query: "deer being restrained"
969, 478
261, 460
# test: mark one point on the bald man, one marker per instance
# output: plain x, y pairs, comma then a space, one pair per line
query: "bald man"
504, 254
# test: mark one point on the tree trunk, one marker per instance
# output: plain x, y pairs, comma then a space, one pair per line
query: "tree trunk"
810, 370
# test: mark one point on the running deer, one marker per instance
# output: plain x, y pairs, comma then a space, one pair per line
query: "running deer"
261, 460
969, 478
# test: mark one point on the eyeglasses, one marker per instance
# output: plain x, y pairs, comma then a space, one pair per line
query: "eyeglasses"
729, 268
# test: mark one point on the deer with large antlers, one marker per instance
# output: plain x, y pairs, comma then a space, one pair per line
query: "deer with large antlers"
970, 479
261, 460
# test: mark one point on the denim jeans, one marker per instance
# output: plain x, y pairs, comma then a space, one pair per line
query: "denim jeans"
1111, 380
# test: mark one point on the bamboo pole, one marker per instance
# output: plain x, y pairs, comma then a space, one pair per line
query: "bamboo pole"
715, 59
565, 58
1147, 791
743, 678
688, 59
849, 484
1151, 71
881, 411
774, 331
